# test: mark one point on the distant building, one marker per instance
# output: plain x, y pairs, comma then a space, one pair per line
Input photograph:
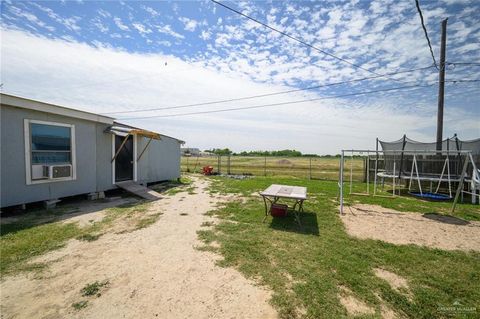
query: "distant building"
190, 151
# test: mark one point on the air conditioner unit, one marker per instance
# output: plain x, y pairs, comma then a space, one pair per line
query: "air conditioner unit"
40, 172
59, 171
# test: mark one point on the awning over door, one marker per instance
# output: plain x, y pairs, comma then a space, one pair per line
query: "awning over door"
127, 131
124, 131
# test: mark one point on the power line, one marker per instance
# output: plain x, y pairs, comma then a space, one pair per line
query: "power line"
265, 95
463, 80
426, 33
281, 103
296, 39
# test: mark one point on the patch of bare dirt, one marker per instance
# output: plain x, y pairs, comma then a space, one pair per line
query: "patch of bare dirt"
396, 282
353, 305
387, 312
152, 272
94, 211
284, 162
402, 228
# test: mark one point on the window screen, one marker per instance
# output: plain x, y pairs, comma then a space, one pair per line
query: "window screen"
50, 144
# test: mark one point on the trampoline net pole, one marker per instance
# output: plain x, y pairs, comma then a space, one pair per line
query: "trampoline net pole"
368, 173
448, 177
376, 171
394, 174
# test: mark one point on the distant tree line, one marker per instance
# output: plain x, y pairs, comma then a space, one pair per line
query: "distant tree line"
281, 153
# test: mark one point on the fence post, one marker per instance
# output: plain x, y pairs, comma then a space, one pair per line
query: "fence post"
219, 159
228, 164
265, 166
365, 169
310, 174
187, 164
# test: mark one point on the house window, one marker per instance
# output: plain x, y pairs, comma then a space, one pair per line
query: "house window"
49, 151
51, 144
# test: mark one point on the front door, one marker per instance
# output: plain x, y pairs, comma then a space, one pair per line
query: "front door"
124, 160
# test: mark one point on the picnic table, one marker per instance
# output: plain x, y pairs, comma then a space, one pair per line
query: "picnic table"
275, 192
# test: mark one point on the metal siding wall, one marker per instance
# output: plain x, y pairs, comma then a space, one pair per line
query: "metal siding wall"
161, 160
13, 186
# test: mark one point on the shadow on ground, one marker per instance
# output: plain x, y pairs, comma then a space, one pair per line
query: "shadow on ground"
308, 220
447, 219
70, 208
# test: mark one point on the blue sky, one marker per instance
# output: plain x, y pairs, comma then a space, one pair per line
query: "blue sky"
107, 56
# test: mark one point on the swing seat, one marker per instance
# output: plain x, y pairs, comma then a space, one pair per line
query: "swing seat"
431, 196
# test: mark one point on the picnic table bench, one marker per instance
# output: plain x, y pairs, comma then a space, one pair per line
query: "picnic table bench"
274, 192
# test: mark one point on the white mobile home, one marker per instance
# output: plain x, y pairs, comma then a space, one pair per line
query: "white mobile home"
49, 152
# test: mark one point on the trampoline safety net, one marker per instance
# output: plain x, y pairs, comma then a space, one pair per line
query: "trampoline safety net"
429, 165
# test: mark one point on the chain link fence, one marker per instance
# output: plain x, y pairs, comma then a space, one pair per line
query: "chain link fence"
326, 168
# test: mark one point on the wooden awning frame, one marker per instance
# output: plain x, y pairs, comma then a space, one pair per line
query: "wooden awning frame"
126, 131
120, 148
144, 149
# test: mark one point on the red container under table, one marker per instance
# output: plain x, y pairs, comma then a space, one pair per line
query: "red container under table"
278, 210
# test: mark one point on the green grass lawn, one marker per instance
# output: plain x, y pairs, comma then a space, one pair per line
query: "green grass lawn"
305, 267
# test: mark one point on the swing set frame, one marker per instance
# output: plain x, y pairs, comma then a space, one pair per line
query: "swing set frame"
415, 174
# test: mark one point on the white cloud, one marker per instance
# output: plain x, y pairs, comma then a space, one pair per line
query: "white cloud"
190, 24
205, 35
141, 28
100, 26
165, 43
167, 29
70, 23
104, 13
120, 24
150, 10
30, 17
106, 79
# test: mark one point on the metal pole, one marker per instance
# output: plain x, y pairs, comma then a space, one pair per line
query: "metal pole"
351, 172
368, 174
401, 156
341, 183
394, 174
228, 164
418, 176
460, 184
265, 166
310, 175
376, 170
441, 86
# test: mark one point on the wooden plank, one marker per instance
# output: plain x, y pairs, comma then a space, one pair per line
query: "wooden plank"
139, 190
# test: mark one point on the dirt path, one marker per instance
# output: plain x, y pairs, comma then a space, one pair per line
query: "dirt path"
155, 272
432, 230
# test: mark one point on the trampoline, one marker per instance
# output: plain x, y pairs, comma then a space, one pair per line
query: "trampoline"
419, 168
431, 196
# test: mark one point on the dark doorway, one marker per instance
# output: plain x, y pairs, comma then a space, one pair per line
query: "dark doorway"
124, 160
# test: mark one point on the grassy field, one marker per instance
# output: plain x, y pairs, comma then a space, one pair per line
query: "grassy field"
303, 167
308, 267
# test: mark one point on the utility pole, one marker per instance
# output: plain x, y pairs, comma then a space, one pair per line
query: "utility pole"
441, 86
